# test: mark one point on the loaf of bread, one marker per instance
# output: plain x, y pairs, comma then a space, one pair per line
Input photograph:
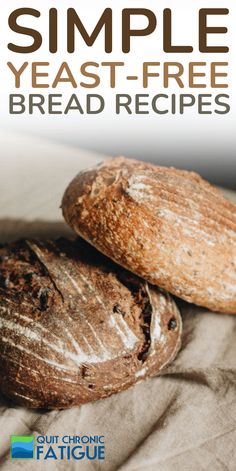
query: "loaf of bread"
168, 226
75, 327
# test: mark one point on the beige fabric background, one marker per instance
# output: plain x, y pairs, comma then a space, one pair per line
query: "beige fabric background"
184, 420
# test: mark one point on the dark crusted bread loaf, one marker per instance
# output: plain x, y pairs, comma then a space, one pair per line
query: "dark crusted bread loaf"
74, 327
168, 226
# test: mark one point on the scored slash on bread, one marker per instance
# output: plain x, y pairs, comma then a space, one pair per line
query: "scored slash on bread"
168, 226
75, 327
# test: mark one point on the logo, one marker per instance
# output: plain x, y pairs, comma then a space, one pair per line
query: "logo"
22, 446
54, 447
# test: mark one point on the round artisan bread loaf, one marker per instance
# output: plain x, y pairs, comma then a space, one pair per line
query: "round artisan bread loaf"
75, 327
168, 226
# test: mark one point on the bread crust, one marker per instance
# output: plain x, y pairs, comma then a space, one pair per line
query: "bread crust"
168, 226
75, 327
